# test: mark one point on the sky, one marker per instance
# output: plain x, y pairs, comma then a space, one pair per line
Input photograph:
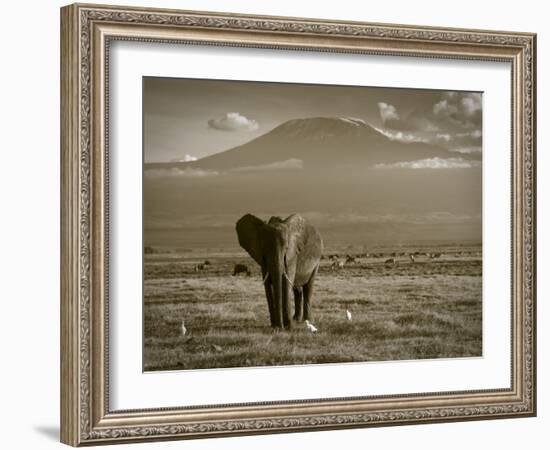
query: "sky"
413, 199
188, 119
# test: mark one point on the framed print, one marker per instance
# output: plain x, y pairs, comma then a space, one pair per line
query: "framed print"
275, 225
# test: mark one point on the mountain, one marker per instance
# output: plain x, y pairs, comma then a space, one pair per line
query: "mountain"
318, 141
330, 176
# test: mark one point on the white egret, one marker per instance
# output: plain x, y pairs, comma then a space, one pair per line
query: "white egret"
311, 327
183, 329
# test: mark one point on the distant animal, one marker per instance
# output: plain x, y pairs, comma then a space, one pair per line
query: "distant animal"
338, 265
350, 259
348, 314
183, 329
207, 263
411, 257
435, 255
390, 261
311, 327
289, 253
199, 267
241, 268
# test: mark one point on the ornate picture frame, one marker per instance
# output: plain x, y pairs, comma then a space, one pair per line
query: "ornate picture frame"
87, 31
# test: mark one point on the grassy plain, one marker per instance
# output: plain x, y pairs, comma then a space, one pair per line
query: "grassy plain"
430, 308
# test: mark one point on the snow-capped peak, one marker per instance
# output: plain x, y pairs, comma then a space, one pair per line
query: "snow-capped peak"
353, 120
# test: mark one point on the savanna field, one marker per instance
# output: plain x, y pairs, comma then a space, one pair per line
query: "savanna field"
429, 308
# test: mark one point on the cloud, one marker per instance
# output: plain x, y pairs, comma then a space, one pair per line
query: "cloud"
416, 121
450, 113
450, 94
444, 108
443, 137
387, 112
432, 163
463, 142
471, 103
458, 109
466, 142
451, 120
186, 158
401, 136
472, 134
431, 127
466, 149
233, 121
291, 164
187, 172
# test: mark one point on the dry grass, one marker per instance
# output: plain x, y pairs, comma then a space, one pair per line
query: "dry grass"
430, 309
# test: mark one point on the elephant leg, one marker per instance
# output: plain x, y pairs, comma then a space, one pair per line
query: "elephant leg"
298, 304
287, 288
277, 285
308, 293
269, 297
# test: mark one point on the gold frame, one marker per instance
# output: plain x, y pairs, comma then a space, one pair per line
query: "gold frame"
86, 31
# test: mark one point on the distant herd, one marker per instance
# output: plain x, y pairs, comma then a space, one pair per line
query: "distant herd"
339, 262
294, 283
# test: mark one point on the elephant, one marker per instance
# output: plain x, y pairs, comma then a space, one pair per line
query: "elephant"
288, 252
241, 268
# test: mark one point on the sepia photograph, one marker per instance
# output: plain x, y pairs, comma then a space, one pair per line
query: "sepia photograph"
294, 224
285, 224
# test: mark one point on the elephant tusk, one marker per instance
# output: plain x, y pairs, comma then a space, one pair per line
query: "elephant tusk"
288, 279
266, 276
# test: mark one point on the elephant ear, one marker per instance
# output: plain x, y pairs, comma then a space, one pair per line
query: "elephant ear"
296, 225
248, 231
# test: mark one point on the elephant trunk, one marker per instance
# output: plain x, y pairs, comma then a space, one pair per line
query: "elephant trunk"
282, 294
287, 300
277, 283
